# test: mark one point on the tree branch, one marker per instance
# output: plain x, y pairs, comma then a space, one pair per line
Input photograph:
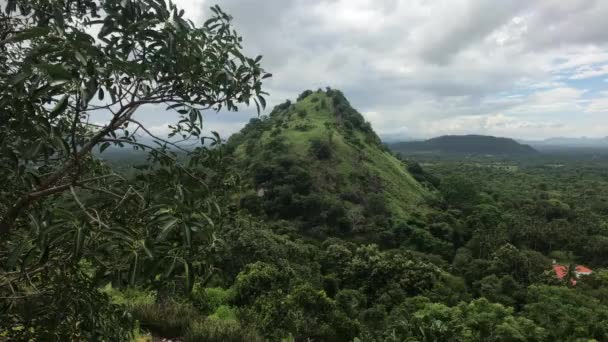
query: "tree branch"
24, 201
156, 137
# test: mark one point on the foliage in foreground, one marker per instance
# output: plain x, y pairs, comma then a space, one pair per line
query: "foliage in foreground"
68, 222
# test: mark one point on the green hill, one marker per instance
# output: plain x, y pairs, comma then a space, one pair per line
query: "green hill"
317, 162
465, 144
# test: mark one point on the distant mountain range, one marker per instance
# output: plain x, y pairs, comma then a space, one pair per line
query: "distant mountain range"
465, 144
569, 142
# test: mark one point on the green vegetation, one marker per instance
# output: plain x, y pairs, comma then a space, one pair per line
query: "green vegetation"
69, 223
302, 227
326, 170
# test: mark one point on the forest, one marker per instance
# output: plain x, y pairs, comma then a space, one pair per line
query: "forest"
303, 226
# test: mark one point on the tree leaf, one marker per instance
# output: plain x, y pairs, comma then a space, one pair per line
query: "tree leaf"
134, 267
59, 107
80, 58
20, 77
164, 231
188, 235
56, 72
189, 275
31, 33
170, 268
262, 101
78, 242
146, 250
104, 146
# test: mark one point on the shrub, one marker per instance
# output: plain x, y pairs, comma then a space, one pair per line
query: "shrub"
324, 104
415, 169
304, 95
320, 149
283, 106
277, 145
130, 296
224, 313
353, 197
259, 278
303, 127
376, 205
208, 300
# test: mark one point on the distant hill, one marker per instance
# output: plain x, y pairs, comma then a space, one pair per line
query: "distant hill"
318, 162
583, 142
465, 144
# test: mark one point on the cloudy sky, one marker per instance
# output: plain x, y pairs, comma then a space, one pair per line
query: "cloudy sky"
420, 68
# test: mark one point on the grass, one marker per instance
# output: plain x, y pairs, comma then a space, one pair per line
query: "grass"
169, 319
212, 330
174, 319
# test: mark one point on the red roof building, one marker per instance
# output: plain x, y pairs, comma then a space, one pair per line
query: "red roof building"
561, 271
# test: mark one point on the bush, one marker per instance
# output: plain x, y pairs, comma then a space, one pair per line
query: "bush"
277, 145
259, 278
353, 197
283, 106
304, 95
324, 104
415, 169
320, 149
275, 132
208, 300
130, 296
303, 127
376, 205
224, 313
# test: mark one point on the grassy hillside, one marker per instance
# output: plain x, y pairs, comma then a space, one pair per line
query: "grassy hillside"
317, 160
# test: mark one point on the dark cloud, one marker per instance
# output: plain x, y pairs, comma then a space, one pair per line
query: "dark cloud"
558, 23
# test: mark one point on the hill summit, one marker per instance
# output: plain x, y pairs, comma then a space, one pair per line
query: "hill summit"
318, 162
465, 144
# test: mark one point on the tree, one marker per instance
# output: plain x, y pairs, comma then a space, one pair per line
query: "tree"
478, 320
69, 65
145, 53
459, 191
566, 314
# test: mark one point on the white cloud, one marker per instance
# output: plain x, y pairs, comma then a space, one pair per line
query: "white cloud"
422, 68
599, 105
589, 71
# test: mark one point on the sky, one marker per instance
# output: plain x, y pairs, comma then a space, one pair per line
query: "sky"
417, 68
